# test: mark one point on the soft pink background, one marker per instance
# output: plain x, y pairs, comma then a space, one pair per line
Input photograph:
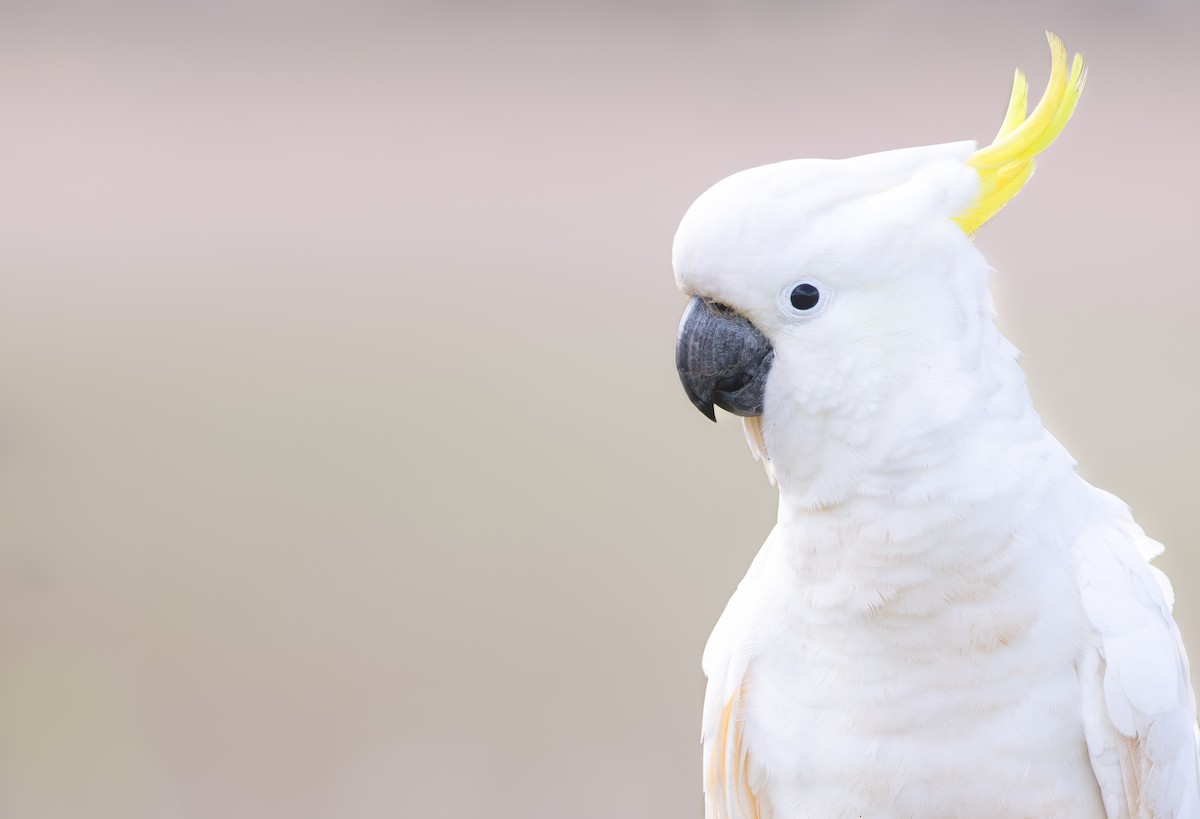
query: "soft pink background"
344, 471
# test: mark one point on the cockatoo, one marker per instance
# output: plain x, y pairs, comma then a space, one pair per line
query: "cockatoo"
946, 621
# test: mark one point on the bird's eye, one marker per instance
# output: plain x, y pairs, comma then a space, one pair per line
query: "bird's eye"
805, 296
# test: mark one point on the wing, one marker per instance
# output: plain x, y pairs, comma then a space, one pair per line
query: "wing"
1138, 712
728, 789
732, 784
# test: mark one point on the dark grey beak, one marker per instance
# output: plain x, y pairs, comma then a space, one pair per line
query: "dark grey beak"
722, 359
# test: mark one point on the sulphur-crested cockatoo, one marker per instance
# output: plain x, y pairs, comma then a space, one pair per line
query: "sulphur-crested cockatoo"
946, 622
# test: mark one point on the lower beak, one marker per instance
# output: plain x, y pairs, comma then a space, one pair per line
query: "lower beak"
722, 359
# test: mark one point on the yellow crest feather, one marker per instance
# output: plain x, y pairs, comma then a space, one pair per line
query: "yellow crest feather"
1006, 165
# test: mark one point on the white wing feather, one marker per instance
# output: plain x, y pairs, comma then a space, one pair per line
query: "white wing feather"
732, 786
1138, 710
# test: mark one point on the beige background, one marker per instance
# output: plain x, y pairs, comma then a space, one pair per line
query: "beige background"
344, 470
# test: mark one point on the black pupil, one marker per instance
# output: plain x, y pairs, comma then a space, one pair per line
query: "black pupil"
805, 297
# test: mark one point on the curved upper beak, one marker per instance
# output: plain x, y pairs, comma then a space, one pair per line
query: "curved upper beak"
722, 359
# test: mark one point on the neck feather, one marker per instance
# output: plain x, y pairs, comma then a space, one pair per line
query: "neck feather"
917, 521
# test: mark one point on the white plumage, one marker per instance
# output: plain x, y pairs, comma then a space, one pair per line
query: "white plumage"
946, 621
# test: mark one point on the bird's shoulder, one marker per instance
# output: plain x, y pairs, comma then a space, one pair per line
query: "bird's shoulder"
732, 785
1138, 709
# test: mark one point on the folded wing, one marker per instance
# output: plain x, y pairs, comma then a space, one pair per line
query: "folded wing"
1138, 711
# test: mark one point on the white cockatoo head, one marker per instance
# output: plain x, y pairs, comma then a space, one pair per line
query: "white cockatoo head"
840, 305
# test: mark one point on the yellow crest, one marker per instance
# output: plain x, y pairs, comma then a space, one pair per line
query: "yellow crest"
1006, 165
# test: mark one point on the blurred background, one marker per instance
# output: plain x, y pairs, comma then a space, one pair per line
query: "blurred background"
344, 470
